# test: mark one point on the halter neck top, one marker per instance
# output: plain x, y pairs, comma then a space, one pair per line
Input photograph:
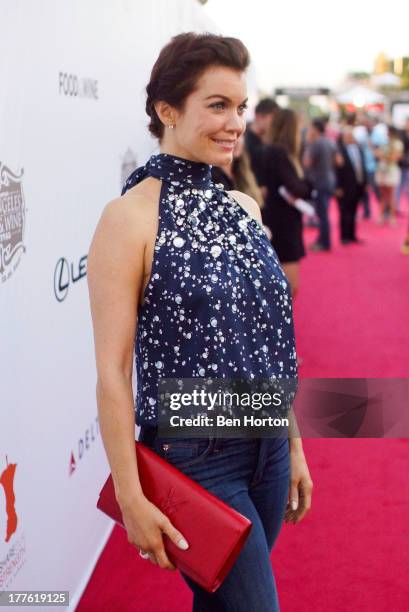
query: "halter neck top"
217, 304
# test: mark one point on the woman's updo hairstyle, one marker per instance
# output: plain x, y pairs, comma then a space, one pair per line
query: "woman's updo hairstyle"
182, 62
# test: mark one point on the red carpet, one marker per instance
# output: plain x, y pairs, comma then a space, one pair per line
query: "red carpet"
352, 310
351, 552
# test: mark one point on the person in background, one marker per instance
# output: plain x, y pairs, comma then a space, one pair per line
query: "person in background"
362, 134
255, 138
388, 174
379, 133
351, 183
304, 126
318, 160
404, 166
239, 175
332, 129
283, 169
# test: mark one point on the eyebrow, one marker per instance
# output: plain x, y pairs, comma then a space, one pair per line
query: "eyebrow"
224, 98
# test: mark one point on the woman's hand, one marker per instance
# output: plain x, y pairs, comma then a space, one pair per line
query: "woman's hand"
144, 523
300, 487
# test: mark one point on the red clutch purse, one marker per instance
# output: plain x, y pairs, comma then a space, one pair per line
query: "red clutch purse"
215, 532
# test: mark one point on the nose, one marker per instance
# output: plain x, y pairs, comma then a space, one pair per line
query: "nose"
235, 122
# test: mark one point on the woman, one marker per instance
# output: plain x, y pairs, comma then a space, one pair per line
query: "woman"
167, 261
388, 174
283, 168
238, 174
351, 182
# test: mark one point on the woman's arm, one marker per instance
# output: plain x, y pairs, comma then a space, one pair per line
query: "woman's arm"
301, 484
115, 272
115, 279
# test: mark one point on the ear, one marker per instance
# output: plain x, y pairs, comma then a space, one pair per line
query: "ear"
166, 113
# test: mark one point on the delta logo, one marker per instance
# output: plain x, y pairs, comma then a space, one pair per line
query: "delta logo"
84, 445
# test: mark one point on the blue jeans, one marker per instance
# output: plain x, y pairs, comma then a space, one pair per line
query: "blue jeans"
252, 476
370, 177
321, 206
403, 186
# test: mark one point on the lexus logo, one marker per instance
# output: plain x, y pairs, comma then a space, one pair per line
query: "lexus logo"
65, 274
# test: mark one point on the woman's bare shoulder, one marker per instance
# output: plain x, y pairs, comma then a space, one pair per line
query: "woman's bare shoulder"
125, 227
248, 203
135, 211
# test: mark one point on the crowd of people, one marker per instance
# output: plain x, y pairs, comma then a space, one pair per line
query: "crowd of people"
282, 164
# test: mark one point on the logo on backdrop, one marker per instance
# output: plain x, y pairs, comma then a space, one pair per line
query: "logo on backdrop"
7, 484
74, 86
128, 165
12, 559
65, 274
12, 221
84, 444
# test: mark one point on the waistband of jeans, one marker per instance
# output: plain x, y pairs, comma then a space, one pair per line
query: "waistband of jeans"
148, 433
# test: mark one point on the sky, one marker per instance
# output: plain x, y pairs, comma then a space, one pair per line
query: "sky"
313, 42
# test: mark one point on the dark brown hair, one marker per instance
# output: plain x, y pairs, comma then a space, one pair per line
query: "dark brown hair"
266, 106
182, 62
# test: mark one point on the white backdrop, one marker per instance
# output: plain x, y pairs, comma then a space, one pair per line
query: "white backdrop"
72, 125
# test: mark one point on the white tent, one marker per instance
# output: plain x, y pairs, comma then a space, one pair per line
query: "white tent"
360, 96
387, 79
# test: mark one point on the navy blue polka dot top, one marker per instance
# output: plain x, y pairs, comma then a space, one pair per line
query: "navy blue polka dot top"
217, 303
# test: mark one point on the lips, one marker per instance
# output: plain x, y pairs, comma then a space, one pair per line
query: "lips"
226, 144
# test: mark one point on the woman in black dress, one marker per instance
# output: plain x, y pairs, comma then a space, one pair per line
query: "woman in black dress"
283, 168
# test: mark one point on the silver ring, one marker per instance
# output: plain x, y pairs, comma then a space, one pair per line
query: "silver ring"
143, 555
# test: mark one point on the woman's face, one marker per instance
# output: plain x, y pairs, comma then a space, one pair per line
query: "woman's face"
213, 118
